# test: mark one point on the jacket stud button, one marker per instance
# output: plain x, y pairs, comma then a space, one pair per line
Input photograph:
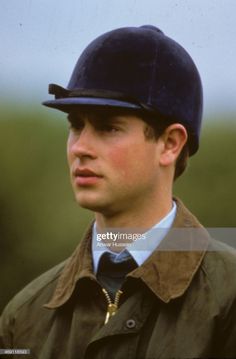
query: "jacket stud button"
130, 324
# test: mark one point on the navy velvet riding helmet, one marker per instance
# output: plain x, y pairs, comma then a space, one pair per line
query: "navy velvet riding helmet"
138, 68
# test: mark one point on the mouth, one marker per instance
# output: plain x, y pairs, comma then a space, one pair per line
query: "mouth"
85, 177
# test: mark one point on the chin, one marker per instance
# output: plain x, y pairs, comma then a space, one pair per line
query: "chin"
93, 204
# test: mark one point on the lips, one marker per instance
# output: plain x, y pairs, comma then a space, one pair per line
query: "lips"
85, 172
86, 177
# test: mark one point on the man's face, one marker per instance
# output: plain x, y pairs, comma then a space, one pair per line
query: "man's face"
113, 167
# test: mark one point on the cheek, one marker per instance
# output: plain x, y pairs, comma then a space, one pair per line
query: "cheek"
120, 161
119, 158
69, 152
130, 161
69, 157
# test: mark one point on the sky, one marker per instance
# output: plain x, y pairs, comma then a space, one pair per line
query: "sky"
41, 40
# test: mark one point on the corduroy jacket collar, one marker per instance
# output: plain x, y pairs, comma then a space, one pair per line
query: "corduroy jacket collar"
168, 272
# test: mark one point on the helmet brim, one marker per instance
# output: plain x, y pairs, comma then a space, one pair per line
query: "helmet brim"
65, 104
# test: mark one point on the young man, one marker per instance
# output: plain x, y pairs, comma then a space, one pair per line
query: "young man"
146, 281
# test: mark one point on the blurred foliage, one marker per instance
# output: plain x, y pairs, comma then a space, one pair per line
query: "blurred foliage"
40, 223
208, 185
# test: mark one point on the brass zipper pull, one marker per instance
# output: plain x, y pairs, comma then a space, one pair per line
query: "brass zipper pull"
111, 310
112, 307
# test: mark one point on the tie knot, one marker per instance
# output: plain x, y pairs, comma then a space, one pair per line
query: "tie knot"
112, 270
116, 266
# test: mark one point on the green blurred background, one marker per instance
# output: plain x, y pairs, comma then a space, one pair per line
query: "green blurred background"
40, 223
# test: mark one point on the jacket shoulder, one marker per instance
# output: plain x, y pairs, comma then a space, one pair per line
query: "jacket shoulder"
41, 286
219, 266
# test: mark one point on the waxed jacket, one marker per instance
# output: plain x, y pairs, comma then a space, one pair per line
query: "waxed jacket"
178, 304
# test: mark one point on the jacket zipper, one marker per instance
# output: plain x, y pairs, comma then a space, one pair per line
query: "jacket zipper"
112, 307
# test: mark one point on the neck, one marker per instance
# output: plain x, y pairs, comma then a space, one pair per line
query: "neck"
142, 215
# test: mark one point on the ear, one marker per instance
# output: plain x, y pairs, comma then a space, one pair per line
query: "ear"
174, 138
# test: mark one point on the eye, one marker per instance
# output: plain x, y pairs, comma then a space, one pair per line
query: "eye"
77, 126
108, 128
75, 123
108, 124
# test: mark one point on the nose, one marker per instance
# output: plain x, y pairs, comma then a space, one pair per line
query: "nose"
82, 143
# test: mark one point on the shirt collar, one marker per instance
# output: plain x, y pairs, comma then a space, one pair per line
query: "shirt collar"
139, 251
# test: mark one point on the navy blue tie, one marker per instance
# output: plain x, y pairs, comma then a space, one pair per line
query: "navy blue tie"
111, 271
